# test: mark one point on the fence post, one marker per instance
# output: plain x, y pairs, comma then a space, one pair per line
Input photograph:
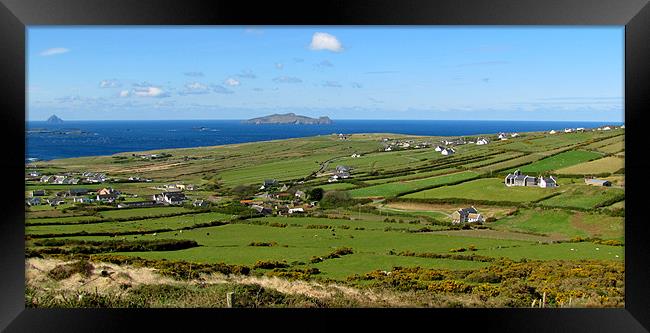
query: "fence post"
229, 299
544, 299
533, 305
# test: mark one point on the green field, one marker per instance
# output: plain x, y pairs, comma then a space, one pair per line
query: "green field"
396, 188
488, 189
584, 196
558, 161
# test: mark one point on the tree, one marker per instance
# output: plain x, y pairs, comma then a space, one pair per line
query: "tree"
316, 194
334, 199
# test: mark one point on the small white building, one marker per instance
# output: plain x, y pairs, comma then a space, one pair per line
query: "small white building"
606, 128
547, 182
447, 151
482, 141
296, 210
514, 135
438, 148
552, 132
568, 130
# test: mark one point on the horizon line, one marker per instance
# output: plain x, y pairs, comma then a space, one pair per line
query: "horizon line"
194, 119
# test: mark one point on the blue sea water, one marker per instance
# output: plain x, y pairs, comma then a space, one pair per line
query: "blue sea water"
91, 138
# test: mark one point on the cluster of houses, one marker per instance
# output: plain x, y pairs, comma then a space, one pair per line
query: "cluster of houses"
177, 187
504, 136
444, 150
342, 136
152, 156
397, 144
78, 195
517, 179
279, 200
341, 172
69, 179
582, 129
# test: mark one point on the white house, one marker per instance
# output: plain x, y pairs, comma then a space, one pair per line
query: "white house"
568, 130
547, 182
388, 149
296, 210
502, 136
514, 135
438, 148
482, 141
606, 128
552, 132
447, 151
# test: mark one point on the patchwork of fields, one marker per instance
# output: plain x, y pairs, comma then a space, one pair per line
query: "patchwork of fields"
391, 203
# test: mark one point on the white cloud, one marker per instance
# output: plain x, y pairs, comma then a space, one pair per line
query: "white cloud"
331, 84
279, 65
125, 93
150, 92
325, 41
221, 89
232, 82
287, 79
55, 51
247, 74
110, 84
195, 88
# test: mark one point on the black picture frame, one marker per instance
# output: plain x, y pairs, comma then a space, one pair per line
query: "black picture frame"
15, 15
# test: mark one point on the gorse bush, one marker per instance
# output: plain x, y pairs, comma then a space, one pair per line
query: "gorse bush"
62, 272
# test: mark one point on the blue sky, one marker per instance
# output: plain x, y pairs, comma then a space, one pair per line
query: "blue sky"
415, 72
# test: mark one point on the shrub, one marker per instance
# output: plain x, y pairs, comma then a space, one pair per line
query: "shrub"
270, 264
62, 272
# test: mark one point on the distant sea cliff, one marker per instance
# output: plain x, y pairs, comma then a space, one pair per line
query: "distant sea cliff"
289, 118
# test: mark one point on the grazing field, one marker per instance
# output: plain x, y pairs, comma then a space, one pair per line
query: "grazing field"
554, 223
558, 161
337, 186
488, 189
585, 197
396, 188
608, 164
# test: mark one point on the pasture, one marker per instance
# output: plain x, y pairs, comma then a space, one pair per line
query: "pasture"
487, 189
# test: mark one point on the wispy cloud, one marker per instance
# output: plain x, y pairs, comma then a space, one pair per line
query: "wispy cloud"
193, 74
54, 51
113, 83
324, 41
581, 98
195, 88
151, 91
287, 79
374, 100
232, 82
356, 85
279, 65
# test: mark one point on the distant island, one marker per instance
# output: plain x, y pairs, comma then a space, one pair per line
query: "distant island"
54, 120
289, 118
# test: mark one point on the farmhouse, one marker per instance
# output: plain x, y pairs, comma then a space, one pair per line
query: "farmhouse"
296, 210
33, 201
269, 183
517, 179
106, 197
503, 136
47, 179
514, 135
552, 132
106, 191
137, 204
482, 141
262, 210
171, 198
300, 194
439, 148
82, 200
447, 151
568, 130
466, 215
200, 203
546, 182
597, 182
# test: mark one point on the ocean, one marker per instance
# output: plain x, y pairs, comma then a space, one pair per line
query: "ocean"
92, 138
